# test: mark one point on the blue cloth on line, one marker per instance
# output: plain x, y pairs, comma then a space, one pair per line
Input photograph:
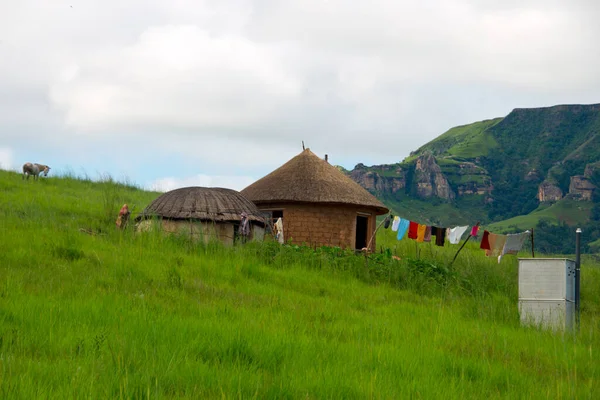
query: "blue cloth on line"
402, 228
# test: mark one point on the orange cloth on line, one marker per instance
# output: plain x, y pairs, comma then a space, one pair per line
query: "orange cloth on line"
496, 244
421, 232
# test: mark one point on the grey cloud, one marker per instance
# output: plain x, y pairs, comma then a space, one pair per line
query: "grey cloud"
363, 81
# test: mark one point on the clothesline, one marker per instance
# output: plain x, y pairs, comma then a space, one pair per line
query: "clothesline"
496, 245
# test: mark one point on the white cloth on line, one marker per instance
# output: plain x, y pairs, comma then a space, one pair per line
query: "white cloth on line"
514, 243
455, 233
279, 231
395, 224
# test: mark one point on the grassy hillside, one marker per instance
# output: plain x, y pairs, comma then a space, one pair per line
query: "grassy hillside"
465, 141
463, 211
119, 315
568, 211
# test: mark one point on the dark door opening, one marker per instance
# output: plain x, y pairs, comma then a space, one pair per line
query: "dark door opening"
276, 214
362, 226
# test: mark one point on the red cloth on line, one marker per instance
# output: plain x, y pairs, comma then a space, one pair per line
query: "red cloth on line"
475, 230
485, 241
413, 228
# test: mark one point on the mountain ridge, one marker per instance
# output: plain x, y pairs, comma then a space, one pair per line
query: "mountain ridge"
497, 169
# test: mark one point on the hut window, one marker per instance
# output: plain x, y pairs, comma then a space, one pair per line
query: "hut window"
362, 225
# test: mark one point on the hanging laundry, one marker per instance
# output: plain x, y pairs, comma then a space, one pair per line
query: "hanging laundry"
427, 237
386, 221
402, 228
421, 232
485, 241
475, 230
496, 244
455, 233
279, 230
244, 228
412, 230
514, 243
440, 235
395, 224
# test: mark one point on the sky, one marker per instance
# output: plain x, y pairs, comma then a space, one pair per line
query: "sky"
173, 93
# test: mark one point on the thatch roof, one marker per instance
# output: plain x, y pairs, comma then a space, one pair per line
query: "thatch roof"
200, 203
309, 179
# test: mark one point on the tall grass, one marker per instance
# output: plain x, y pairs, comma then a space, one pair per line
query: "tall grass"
91, 312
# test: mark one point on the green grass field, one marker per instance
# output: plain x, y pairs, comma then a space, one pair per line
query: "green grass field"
89, 312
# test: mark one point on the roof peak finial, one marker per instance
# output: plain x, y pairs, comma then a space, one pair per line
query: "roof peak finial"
303, 148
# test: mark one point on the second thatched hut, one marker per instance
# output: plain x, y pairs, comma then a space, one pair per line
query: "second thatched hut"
204, 214
318, 204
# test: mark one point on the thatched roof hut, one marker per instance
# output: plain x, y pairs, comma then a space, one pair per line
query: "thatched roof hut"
310, 179
203, 213
319, 205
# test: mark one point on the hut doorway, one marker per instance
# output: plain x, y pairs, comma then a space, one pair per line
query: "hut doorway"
362, 225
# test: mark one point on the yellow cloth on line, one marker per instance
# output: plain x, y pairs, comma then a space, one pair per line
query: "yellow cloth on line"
421, 232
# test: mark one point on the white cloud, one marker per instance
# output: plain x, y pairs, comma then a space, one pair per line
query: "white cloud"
230, 182
330, 70
231, 87
176, 77
6, 158
224, 154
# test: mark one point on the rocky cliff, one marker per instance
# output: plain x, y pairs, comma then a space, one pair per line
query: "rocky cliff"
429, 180
425, 177
380, 179
549, 192
580, 188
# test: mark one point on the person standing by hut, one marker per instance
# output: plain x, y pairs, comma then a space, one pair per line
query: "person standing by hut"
123, 217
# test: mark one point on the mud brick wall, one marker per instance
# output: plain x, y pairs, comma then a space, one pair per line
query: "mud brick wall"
204, 231
322, 225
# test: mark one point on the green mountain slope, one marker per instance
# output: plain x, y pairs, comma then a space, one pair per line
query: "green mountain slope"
499, 171
538, 144
567, 211
466, 141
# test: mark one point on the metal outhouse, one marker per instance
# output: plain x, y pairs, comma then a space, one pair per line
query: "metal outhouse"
547, 292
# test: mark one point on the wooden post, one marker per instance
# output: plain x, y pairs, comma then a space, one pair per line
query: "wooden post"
373, 235
532, 245
463, 245
366, 254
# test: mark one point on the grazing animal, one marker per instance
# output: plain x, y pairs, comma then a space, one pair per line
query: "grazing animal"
35, 170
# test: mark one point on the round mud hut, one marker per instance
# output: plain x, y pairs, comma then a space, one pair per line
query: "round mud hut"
318, 204
204, 214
